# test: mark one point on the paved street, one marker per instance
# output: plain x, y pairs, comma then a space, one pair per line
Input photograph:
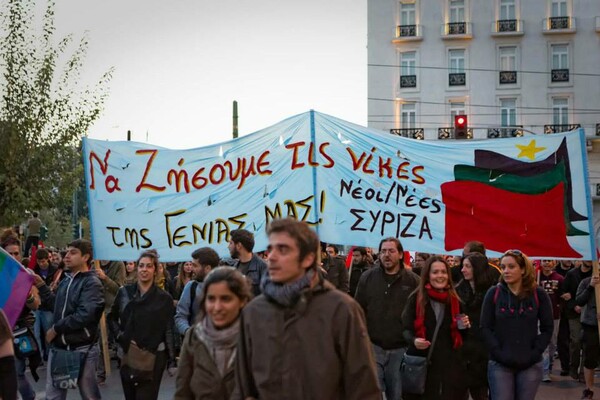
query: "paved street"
562, 388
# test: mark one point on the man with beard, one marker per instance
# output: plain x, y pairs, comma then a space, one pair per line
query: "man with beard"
252, 266
204, 260
383, 293
359, 266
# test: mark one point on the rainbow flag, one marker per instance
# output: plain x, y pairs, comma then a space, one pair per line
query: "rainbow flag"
15, 283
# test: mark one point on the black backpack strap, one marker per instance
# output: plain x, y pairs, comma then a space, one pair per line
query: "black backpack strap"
192, 300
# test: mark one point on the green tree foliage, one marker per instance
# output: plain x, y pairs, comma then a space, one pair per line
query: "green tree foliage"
44, 111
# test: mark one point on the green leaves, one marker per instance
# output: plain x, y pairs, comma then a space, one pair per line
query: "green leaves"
44, 112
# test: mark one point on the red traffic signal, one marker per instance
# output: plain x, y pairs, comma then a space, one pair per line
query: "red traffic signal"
460, 126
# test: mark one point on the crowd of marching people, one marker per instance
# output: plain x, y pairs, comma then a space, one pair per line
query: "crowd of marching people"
300, 321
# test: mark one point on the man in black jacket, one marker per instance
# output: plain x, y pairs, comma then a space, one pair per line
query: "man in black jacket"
78, 306
382, 293
252, 266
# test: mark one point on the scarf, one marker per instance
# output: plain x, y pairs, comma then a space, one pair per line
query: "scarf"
444, 298
286, 295
221, 343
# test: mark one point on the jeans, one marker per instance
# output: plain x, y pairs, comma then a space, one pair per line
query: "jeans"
388, 371
25, 389
548, 356
88, 388
575, 345
43, 322
510, 384
144, 390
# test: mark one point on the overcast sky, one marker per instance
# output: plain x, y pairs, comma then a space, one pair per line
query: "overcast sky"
179, 64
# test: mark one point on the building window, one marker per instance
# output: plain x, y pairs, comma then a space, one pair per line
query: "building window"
560, 63
456, 108
457, 11
560, 111
507, 10
408, 116
408, 73
407, 14
508, 112
508, 64
559, 8
456, 62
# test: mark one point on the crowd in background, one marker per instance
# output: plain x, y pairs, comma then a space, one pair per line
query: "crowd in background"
488, 326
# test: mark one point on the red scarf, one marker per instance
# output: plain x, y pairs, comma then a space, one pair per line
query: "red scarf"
442, 297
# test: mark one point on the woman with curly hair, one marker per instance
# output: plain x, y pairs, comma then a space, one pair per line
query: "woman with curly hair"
511, 313
185, 274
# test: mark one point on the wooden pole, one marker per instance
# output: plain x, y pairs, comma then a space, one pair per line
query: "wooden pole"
103, 334
596, 288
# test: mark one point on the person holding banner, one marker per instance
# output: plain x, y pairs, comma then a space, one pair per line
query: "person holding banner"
141, 320
511, 314
207, 359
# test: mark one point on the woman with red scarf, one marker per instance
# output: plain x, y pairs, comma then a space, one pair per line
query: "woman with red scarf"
434, 300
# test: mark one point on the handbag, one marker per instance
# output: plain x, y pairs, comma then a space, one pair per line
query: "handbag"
66, 368
25, 344
139, 363
413, 369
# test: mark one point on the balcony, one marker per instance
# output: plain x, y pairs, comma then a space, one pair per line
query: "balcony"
457, 79
508, 77
508, 27
408, 33
559, 25
558, 128
412, 133
448, 133
597, 129
408, 81
560, 75
457, 30
513, 131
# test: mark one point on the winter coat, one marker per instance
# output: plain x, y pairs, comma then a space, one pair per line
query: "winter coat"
586, 298
509, 326
198, 376
316, 349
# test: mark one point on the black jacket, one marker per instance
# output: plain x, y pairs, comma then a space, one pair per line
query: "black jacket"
509, 326
78, 305
254, 270
147, 318
572, 280
383, 305
337, 273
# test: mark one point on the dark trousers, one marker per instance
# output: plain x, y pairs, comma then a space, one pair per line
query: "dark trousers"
562, 343
8, 378
31, 241
145, 390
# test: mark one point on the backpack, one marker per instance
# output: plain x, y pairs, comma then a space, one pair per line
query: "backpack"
535, 295
192, 300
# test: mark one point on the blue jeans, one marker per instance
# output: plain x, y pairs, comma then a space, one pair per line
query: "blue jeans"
388, 371
43, 322
88, 387
510, 384
25, 389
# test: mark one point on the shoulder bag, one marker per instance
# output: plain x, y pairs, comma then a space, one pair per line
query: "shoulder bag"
413, 369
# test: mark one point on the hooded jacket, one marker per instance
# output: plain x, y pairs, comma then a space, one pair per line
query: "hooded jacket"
509, 326
78, 305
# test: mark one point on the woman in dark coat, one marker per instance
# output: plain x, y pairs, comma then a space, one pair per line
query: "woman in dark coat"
141, 317
436, 299
474, 356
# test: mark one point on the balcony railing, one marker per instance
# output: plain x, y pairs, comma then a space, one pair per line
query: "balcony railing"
412, 133
597, 129
448, 133
558, 128
507, 27
513, 131
507, 77
597, 24
560, 75
407, 33
457, 79
408, 81
559, 25
457, 30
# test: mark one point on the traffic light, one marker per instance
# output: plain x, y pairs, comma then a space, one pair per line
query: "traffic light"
76, 231
460, 126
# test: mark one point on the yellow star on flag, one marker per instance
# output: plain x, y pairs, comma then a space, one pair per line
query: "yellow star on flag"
529, 150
